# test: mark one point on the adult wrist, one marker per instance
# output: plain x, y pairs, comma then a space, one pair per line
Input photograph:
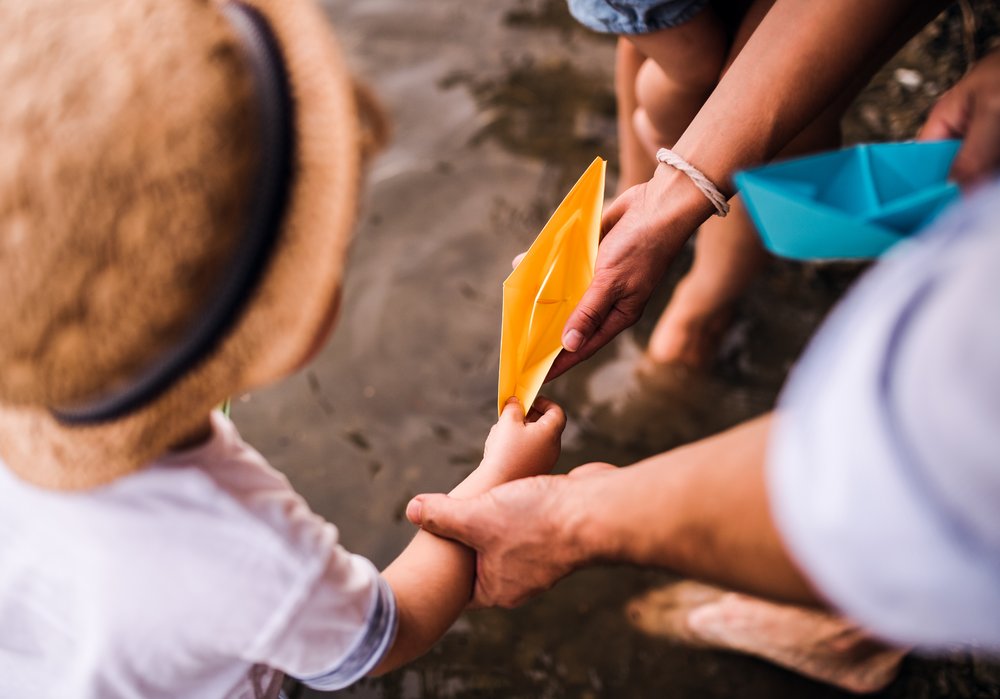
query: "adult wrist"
680, 207
585, 533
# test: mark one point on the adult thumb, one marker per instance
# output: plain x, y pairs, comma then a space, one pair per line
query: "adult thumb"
589, 314
443, 516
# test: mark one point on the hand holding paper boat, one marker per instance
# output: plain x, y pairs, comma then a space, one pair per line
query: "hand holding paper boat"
546, 286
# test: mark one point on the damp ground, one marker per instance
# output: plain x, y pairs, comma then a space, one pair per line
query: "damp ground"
498, 107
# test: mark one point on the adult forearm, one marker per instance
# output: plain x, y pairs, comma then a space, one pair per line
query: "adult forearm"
700, 510
803, 57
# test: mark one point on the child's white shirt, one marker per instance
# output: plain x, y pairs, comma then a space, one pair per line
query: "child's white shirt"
198, 576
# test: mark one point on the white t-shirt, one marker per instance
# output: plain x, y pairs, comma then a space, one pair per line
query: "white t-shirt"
884, 467
193, 577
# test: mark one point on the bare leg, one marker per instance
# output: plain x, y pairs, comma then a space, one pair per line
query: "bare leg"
727, 258
816, 644
636, 165
666, 74
727, 253
683, 66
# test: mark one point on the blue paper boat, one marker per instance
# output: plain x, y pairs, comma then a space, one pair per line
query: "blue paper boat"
853, 203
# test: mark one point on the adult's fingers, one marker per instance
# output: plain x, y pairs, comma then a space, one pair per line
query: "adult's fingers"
949, 118
450, 518
589, 314
979, 155
616, 321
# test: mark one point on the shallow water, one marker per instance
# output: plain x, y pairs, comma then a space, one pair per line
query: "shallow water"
498, 107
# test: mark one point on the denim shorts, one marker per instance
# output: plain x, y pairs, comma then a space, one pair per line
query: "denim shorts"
634, 16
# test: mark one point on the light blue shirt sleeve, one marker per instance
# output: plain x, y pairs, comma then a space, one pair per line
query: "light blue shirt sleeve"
372, 645
884, 466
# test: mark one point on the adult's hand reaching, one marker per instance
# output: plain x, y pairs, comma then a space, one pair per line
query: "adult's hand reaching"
798, 61
646, 226
971, 111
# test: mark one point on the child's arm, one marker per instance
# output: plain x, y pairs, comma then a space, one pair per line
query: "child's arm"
433, 578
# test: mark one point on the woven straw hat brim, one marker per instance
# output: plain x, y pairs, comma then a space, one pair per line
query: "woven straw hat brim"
292, 305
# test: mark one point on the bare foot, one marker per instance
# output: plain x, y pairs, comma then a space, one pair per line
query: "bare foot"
822, 646
689, 330
636, 403
664, 611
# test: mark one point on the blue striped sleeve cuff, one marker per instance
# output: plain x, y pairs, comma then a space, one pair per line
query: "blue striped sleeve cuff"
374, 644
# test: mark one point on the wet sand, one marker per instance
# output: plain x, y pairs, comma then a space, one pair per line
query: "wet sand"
497, 108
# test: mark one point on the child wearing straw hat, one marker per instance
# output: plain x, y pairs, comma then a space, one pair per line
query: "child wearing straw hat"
179, 186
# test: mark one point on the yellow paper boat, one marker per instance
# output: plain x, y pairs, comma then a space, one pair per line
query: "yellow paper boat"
546, 286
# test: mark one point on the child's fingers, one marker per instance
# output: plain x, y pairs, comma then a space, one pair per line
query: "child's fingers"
512, 412
549, 413
534, 413
538, 408
517, 260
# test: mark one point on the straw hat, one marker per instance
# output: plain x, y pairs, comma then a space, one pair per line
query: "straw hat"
177, 195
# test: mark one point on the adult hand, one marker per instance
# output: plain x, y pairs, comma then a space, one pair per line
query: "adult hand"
971, 111
521, 532
643, 230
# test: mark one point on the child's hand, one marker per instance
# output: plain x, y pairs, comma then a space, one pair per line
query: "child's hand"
518, 448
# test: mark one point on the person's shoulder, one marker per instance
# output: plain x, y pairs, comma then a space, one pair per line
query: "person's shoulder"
210, 538
229, 492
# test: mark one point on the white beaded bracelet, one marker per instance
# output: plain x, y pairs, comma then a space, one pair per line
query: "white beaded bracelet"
707, 187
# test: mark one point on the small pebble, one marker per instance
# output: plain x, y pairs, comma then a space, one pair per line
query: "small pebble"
908, 78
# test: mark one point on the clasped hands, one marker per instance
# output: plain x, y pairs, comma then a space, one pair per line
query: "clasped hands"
526, 532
